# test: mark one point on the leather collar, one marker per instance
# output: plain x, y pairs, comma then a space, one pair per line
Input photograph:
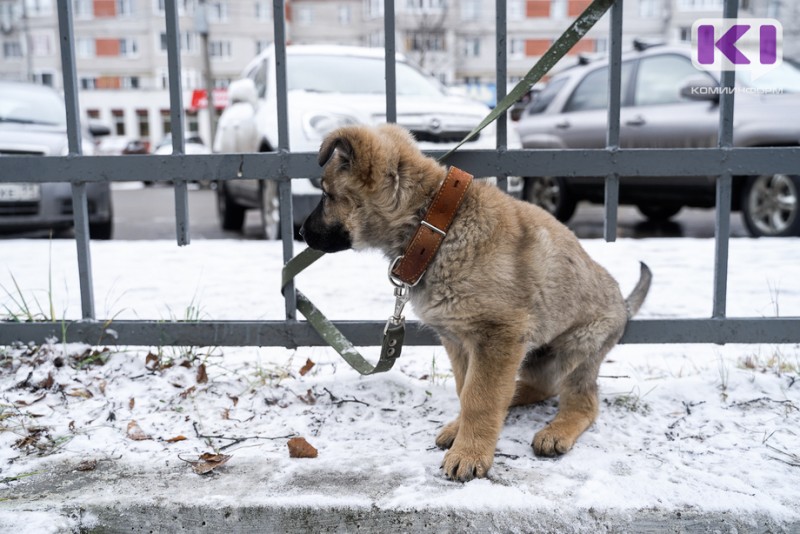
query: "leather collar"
409, 268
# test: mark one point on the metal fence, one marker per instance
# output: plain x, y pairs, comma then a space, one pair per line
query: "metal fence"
282, 165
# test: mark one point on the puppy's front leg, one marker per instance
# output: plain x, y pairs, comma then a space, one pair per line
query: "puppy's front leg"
459, 361
485, 396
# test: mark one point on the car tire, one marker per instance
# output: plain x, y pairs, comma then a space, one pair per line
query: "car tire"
771, 205
230, 214
658, 213
552, 195
103, 230
270, 210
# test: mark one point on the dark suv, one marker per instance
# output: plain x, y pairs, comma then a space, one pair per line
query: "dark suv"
667, 103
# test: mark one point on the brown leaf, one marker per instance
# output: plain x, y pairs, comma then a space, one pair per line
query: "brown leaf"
176, 439
152, 361
307, 367
300, 448
185, 393
202, 377
87, 465
102, 386
71, 426
308, 398
136, 433
82, 393
28, 403
47, 383
208, 462
234, 398
226, 414
131, 403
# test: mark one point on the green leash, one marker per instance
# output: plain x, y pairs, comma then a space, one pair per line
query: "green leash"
394, 332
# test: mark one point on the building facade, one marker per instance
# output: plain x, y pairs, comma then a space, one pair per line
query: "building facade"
121, 53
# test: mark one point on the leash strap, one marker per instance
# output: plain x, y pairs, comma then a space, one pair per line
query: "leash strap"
394, 332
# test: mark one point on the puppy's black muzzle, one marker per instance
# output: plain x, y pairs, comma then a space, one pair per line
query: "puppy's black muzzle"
324, 237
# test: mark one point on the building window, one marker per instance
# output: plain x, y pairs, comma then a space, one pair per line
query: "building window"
305, 15
39, 8
471, 47
344, 15
44, 78
515, 10
221, 83
42, 44
516, 48
217, 11
263, 10
425, 6
649, 9
184, 6
425, 41
130, 82
375, 39
124, 8
192, 122
88, 82
601, 44
558, 9
187, 40
699, 5
93, 114
219, 49
373, 8
83, 9
261, 45
12, 49
128, 47
118, 120
85, 47
166, 121
144, 123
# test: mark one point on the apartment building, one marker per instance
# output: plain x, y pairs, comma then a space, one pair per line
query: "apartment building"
122, 61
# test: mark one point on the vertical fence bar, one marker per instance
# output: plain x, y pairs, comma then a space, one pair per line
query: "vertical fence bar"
391, 59
176, 118
80, 204
724, 183
612, 134
501, 29
284, 185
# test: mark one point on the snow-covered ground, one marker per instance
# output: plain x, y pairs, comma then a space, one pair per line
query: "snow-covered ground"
682, 427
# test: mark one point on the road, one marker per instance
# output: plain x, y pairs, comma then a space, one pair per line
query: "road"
149, 213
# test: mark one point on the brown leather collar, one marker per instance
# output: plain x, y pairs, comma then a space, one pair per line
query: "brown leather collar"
432, 230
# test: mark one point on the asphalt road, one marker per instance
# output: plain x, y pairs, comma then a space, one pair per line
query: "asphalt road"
149, 213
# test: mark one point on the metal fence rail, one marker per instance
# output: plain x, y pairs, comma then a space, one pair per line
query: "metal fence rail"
725, 161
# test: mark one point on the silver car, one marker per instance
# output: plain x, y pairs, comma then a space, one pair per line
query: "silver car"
33, 123
667, 103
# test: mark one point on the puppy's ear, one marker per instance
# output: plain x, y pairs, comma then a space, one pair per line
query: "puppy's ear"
330, 144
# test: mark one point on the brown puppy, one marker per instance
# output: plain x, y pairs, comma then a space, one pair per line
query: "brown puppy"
523, 312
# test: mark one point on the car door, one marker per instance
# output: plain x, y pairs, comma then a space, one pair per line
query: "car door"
660, 117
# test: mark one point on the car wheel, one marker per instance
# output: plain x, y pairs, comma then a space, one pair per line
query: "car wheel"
770, 205
658, 213
231, 214
270, 210
552, 195
103, 230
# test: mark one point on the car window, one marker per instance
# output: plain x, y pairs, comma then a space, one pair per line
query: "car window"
783, 78
659, 79
355, 75
543, 99
259, 77
19, 103
592, 91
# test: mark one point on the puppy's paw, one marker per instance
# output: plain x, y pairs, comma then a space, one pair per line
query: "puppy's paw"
462, 465
552, 441
447, 435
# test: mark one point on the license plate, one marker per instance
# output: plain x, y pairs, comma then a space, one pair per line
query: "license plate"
19, 192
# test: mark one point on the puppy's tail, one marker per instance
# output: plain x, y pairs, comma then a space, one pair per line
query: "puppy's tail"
637, 296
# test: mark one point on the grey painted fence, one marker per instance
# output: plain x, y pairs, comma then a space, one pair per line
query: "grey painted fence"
725, 161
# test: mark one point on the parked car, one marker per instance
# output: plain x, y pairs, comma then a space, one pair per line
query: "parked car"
33, 123
667, 103
328, 87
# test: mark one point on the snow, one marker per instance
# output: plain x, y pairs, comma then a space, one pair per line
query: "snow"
682, 427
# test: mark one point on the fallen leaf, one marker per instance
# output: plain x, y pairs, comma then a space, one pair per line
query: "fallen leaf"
28, 403
308, 398
71, 426
47, 383
82, 393
187, 392
307, 367
176, 439
87, 465
226, 414
234, 398
300, 448
202, 376
102, 386
136, 433
208, 462
131, 403
151, 361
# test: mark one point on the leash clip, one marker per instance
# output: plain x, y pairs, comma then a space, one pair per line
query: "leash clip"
401, 296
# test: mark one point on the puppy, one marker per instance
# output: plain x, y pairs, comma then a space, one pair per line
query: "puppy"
522, 311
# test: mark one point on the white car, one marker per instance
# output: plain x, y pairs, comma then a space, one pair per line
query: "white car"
328, 87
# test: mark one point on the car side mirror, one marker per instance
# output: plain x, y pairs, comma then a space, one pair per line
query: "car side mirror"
243, 90
97, 129
701, 90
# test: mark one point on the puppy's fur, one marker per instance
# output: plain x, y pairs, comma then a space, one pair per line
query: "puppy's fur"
521, 309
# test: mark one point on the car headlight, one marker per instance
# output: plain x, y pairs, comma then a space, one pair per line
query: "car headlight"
319, 124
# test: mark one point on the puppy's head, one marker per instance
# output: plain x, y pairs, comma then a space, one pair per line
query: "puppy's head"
363, 198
